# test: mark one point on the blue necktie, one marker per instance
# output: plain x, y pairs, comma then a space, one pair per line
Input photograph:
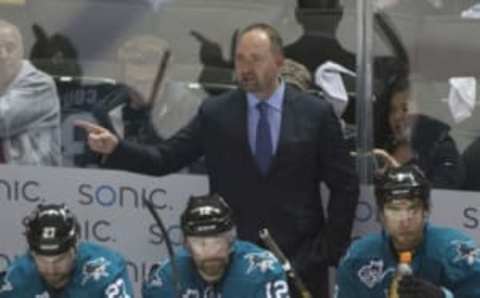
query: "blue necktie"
263, 144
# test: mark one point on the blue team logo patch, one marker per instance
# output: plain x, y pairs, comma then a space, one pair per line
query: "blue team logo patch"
95, 269
263, 261
5, 284
373, 273
466, 251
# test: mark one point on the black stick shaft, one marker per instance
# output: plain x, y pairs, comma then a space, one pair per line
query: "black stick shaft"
287, 266
168, 242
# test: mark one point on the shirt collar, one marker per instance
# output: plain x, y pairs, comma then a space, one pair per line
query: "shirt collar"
275, 101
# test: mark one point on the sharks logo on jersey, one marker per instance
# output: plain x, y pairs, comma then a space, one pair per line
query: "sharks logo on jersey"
373, 273
5, 284
95, 269
466, 251
264, 261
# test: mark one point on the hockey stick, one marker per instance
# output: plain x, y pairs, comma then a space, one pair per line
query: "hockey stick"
168, 243
287, 266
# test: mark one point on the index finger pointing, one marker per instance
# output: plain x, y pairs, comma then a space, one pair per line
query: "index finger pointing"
88, 126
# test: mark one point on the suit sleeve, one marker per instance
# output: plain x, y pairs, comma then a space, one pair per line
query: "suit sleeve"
28, 104
339, 174
166, 157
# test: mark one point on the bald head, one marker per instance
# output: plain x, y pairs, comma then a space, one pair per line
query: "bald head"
258, 60
11, 52
273, 36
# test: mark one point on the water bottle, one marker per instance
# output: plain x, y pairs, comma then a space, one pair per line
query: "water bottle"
404, 268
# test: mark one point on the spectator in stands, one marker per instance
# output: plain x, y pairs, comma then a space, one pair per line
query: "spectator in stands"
445, 262
297, 75
213, 263
54, 54
318, 43
56, 265
471, 160
416, 138
29, 107
270, 174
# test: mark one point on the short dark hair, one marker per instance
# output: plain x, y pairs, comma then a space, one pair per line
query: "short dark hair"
276, 41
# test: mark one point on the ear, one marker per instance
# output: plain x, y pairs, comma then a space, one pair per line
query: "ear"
279, 60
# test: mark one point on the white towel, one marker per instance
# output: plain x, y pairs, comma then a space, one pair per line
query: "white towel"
472, 13
461, 98
328, 77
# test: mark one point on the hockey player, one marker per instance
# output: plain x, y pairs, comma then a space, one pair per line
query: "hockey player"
213, 264
56, 266
445, 264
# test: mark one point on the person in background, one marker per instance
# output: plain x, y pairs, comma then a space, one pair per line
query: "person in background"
445, 264
29, 107
57, 265
151, 106
148, 106
54, 54
267, 148
297, 75
213, 262
416, 138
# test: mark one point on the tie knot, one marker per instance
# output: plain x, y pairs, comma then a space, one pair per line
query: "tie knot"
262, 107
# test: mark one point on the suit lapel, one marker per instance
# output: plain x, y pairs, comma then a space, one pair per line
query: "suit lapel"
239, 118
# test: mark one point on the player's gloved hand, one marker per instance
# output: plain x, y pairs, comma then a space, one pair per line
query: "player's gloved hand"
412, 287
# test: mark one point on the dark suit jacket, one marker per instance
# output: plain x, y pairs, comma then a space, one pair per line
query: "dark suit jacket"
287, 200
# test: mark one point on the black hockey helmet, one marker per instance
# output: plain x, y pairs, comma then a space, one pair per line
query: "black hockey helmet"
206, 215
404, 182
51, 229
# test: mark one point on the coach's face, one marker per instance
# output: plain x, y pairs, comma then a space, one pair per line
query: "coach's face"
257, 64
